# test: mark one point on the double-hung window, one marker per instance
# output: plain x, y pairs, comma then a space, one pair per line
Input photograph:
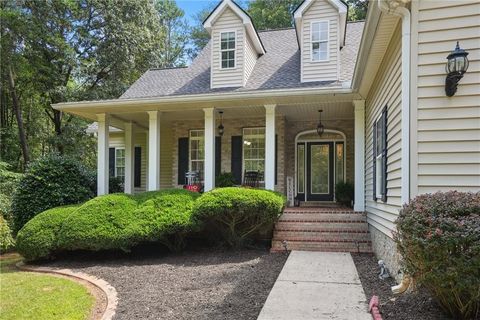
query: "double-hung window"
254, 149
380, 157
319, 40
197, 152
120, 163
227, 49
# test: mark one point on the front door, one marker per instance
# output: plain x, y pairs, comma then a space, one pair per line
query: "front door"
319, 171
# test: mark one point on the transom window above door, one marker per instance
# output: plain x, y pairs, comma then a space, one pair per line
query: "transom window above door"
227, 49
254, 149
319, 41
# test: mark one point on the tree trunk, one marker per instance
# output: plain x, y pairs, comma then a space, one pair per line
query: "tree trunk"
18, 115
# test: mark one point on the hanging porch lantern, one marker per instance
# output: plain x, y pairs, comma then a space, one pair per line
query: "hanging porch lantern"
221, 128
320, 126
457, 65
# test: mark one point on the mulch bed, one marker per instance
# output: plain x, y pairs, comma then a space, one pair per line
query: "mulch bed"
200, 284
407, 306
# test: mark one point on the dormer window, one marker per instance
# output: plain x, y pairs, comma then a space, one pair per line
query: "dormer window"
319, 40
227, 49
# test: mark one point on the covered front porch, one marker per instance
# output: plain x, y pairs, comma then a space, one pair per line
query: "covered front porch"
276, 137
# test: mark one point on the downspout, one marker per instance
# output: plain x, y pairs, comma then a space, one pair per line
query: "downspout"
393, 7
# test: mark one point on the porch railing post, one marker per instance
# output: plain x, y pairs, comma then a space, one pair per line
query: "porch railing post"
270, 147
102, 155
209, 170
129, 152
153, 150
359, 204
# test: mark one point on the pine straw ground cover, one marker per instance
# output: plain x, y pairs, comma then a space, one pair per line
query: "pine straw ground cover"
202, 284
414, 306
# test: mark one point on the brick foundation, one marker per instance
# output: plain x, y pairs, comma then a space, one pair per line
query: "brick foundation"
385, 249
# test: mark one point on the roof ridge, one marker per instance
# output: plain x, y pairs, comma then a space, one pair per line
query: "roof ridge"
356, 21
279, 29
167, 68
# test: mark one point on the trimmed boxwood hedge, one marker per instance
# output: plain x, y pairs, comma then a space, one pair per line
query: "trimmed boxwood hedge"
238, 214
120, 221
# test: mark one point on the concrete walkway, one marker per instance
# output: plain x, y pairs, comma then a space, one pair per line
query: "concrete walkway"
317, 285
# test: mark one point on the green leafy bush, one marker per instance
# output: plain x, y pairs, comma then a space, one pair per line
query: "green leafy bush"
50, 182
438, 236
6, 240
102, 223
238, 214
8, 184
39, 237
225, 179
344, 193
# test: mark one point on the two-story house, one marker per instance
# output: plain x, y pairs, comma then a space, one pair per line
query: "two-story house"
324, 102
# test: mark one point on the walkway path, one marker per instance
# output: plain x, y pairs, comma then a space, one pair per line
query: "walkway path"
317, 285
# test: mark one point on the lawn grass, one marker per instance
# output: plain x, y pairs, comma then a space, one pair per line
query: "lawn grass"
26, 295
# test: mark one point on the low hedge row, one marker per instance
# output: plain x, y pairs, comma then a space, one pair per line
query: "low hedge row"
120, 221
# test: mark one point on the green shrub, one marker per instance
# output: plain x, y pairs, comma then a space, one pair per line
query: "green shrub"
225, 179
38, 238
102, 223
50, 182
165, 216
8, 184
238, 214
438, 236
344, 193
6, 240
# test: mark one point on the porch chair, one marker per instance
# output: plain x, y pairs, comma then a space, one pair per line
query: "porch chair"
193, 181
251, 179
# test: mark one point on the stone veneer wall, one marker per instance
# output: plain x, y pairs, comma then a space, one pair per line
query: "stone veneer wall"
295, 127
233, 127
386, 250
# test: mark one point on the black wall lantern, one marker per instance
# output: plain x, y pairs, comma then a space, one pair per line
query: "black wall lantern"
320, 126
457, 65
221, 128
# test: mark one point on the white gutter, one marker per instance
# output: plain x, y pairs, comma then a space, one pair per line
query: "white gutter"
394, 8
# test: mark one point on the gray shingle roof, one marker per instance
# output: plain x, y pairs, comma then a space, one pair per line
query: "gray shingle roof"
279, 68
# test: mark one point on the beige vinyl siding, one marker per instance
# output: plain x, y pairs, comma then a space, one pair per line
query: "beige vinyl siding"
228, 21
320, 10
385, 91
250, 58
117, 140
447, 129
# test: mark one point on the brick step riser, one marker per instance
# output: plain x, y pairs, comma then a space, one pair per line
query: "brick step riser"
330, 247
327, 227
324, 216
320, 212
347, 237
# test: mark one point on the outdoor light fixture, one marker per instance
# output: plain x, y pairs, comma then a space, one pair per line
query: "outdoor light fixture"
457, 65
221, 128
320, 126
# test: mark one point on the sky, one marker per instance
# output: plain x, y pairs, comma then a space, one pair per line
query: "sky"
191, 7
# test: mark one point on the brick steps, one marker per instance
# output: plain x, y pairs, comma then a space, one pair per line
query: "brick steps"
322, 229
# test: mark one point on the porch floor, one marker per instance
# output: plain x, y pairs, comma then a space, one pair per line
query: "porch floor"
327, 228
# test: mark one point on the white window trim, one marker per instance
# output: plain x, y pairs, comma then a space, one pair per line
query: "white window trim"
243, 152
234, 50
116, 173
190, 145
328, 41
378, 161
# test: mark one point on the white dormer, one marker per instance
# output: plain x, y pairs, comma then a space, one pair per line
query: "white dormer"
236, 45
320, 27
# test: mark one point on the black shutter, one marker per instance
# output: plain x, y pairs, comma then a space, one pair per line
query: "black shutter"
276, 159
182, 159
374, 160
137, 168
218, 156
384, 155
237, 147
111, 161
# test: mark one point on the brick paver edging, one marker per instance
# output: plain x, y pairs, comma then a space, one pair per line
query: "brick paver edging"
110, 292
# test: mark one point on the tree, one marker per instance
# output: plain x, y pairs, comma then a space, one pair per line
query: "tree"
175, 28
272, 14
198, 35
357, 9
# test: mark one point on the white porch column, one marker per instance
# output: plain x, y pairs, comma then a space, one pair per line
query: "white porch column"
359, 204
102, 154
270, 147
209, 170
129, 157
153, 150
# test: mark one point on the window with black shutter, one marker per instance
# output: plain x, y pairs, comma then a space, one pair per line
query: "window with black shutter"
137, 169
380, 157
